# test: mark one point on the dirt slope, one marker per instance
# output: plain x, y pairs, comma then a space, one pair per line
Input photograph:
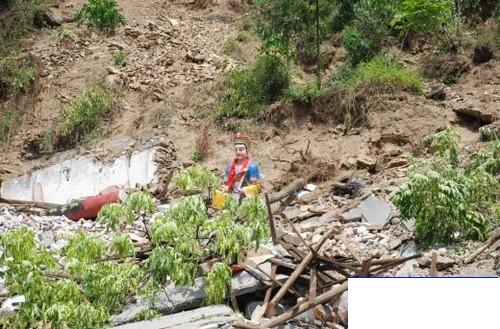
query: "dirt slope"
174, 50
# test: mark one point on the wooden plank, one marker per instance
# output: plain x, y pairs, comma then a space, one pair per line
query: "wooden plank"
485, 246
270, 219
433, 264
288, 190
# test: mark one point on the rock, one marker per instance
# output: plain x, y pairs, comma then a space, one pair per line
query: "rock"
288, 237
174, 22
49, 17
115, 44
216, 316
442, 262
470, 110
368, 164
372, 210
482, 54
252, 308
11, 305
112, 70
408, 225
393, 244
437, 92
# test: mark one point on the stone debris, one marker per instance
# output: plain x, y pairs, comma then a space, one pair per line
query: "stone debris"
216, 316
349, 236
372, 210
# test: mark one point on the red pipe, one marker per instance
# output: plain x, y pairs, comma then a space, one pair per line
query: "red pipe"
92, 205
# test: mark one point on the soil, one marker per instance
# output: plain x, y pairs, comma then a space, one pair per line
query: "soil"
175, 51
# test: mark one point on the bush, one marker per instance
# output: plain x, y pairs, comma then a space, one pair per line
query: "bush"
422, 16
248, 91
358, 46
16, 76
86, 112
450, 203
103, 14
302, 93
381, 70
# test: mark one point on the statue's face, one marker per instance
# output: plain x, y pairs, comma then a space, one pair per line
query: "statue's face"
240, 151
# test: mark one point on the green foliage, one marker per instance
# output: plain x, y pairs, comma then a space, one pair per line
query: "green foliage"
422, 16
122, 246
88, 291
487, 133
197, 155
445, 142
84, 113
281, 24
217, 282
450, 203
248, 91
22, 79
358, 46
147, 315
195, 177
119, 58
103, 14
381, 70
140, 204
86, 287
185, 236
62, 32
114, 215
345, 14
302, 93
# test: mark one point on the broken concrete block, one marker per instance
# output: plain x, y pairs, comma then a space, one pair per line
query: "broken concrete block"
310, 187
442, 262
177, 299
372, 210
288, 237
216, 316
82, 176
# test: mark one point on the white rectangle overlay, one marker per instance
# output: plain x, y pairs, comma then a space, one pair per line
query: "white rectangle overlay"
424, 303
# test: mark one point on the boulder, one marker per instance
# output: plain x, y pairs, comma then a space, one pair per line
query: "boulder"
50, 17
482, 54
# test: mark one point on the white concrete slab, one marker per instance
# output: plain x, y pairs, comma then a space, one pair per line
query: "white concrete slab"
82, 176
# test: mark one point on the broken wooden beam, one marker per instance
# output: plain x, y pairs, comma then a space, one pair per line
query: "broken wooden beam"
270, 218
287, 191
298, 271
485, 246
321, 299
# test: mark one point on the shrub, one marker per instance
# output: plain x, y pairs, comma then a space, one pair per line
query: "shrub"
247, 91
302, 93
381, 70
450, 203
103, 14
195, 177
22, 78
86, 112
358, 46
422, 16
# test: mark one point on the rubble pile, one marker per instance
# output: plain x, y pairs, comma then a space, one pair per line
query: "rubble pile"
320, 238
